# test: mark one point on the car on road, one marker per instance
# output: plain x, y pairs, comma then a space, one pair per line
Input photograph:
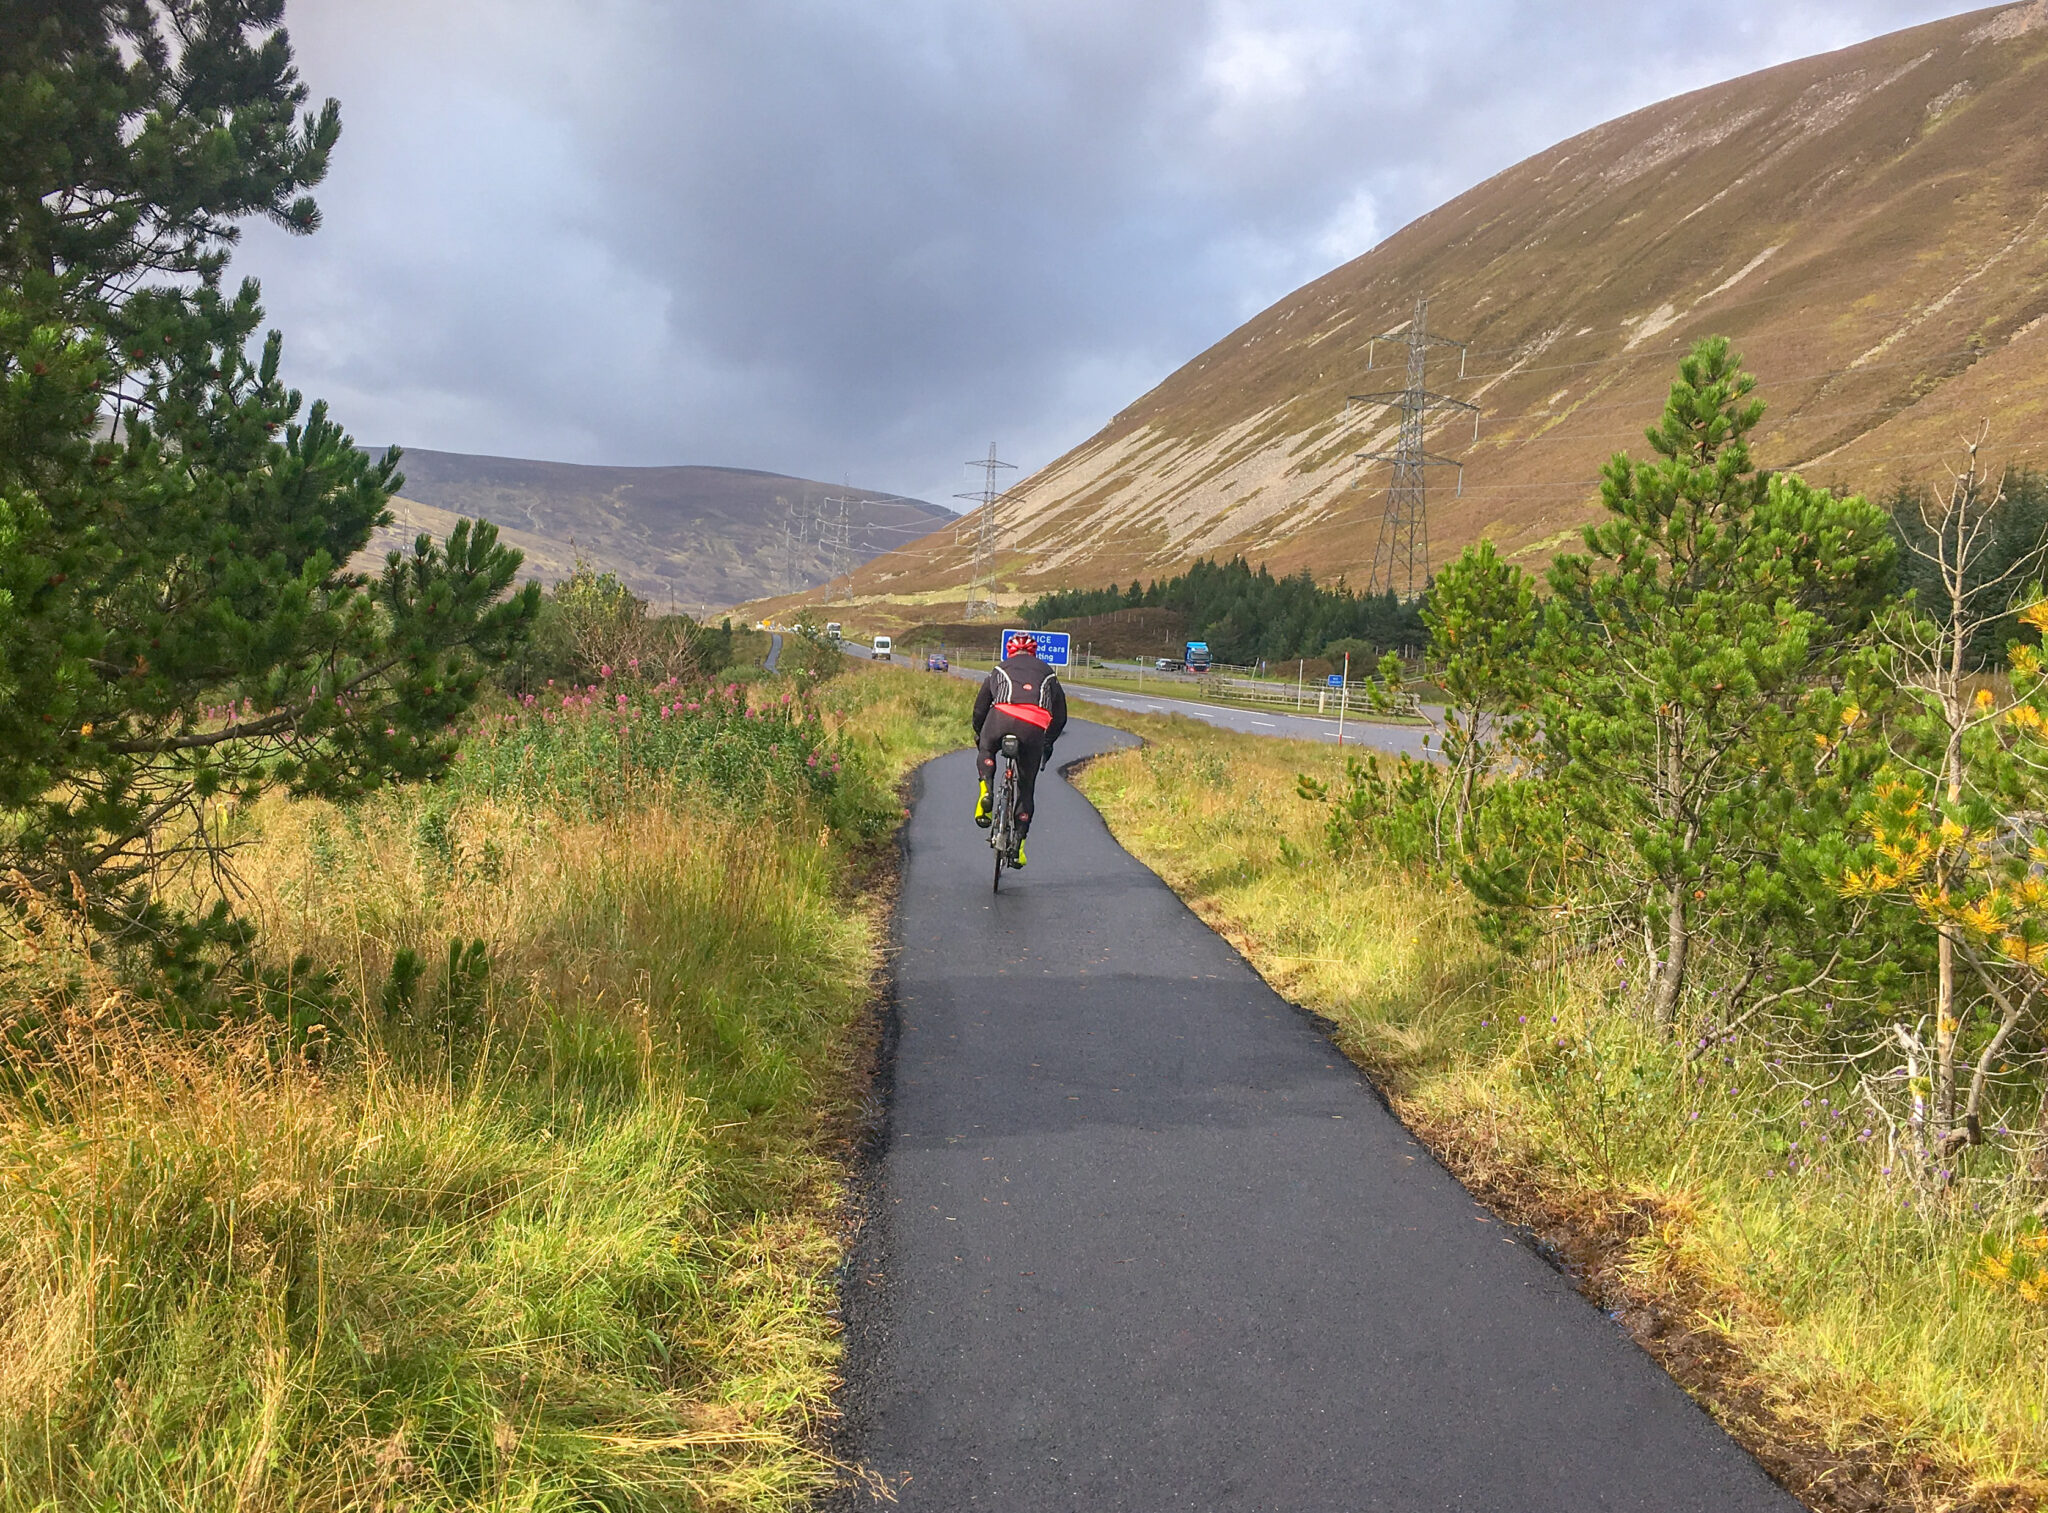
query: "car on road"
935, 661
882, 649
1166, 664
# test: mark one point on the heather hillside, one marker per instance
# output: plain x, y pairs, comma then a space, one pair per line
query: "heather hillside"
694, 537
1870, 227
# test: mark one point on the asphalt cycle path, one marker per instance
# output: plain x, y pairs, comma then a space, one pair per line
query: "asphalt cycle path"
1141, 1239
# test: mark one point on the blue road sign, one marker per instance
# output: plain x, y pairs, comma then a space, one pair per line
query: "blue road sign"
1336, 680
1052, 644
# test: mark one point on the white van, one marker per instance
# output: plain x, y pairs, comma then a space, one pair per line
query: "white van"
883, 646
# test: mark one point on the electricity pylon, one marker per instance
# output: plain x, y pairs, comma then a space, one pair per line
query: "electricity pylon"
835, 540
981, 587
793, 524
1402, 552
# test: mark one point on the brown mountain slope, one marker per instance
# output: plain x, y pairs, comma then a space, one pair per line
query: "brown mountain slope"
1870, 226
695, 538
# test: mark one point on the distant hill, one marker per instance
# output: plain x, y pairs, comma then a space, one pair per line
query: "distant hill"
696, 538
1870, 226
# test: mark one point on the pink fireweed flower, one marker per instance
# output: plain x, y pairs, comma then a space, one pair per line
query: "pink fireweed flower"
695, 706
604, 670
622, 701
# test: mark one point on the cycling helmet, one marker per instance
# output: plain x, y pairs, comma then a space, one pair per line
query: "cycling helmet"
1020, 644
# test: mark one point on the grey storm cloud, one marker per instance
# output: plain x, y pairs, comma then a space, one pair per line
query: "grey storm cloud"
861, 240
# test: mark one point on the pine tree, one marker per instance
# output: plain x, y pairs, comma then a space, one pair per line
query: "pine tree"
1692, 656
178, 620
1481, 615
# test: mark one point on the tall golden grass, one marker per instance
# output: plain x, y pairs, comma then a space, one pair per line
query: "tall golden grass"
559, 1232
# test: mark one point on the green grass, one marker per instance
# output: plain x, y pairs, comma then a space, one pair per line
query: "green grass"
555, 1228
1859, 1313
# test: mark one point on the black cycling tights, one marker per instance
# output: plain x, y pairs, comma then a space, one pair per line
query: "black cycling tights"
1030, 756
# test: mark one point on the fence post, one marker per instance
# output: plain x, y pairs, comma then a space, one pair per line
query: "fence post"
1344, 698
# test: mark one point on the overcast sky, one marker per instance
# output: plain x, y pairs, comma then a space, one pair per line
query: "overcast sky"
860, 239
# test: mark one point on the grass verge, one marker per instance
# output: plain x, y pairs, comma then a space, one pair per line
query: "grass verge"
1843, 1329
542, 1211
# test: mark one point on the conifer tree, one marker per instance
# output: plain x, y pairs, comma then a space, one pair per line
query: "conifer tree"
1481, 615
178, 619
1692, 657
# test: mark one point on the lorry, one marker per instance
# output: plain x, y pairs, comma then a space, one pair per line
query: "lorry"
1196, 658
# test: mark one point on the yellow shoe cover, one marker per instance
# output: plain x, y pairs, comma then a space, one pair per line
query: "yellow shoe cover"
984, 805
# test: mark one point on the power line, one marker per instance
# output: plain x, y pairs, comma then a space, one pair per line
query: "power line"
1404, 528
1575, 485
797, 519
835, 540
981, 587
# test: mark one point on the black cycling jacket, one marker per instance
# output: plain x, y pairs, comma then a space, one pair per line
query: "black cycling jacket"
1022, 680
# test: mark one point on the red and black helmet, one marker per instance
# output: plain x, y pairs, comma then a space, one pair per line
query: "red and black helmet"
1021, 643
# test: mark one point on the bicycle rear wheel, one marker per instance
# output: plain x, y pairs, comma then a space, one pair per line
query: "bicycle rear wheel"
1002, 835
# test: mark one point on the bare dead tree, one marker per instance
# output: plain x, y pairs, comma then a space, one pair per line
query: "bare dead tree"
1929, 646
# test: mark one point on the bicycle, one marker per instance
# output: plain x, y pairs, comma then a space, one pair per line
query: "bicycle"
1002, 829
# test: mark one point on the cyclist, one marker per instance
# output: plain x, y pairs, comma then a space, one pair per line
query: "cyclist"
1021, 696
